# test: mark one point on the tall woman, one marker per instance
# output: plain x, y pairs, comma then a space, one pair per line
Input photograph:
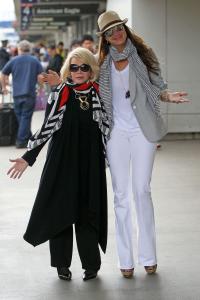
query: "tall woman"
131, 88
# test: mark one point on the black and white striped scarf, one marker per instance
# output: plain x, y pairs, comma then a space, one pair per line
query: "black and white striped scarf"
130, 53
54, 118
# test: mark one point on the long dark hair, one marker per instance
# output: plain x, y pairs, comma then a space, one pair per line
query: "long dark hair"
146, 53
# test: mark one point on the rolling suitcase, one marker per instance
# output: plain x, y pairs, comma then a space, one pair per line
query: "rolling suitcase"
8, 123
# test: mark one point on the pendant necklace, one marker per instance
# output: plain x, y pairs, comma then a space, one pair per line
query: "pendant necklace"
127, 92
84, 104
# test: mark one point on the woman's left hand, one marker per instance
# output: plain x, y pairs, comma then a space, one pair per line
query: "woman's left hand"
177, 97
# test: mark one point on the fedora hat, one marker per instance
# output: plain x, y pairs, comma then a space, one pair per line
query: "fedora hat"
108, 20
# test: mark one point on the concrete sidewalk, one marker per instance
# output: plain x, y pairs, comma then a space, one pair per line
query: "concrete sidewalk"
25, 273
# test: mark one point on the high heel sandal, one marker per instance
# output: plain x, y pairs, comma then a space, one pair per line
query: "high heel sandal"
127, 273
151, 269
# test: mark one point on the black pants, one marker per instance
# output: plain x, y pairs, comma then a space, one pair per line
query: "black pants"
87, 243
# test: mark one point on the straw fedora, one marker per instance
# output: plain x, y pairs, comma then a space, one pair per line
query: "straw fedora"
108, 20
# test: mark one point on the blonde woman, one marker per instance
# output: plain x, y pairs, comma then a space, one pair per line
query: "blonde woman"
72, 188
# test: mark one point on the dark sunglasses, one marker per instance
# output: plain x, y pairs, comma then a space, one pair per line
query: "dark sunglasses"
108, 33
75, 68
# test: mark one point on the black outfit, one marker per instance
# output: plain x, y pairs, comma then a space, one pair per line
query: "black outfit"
72, 190
55, 63
87, 244
4, 57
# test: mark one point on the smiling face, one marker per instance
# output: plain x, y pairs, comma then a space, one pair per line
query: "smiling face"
79, 76
116, 36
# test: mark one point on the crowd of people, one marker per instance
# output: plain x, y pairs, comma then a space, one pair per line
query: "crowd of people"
45, 51
103, 107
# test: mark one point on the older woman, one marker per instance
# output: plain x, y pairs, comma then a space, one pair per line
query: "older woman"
72, 188
131, 88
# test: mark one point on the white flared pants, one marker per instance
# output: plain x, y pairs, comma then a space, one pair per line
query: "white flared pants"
131, 151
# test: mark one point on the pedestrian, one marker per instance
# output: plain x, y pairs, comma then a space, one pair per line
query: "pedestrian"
72, 188
74, 44
131, 88
55, 61
61, 50
25, 70
87, 42
43, 55
4, 55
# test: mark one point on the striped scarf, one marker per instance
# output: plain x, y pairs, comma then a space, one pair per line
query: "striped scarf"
130, 53
57, 103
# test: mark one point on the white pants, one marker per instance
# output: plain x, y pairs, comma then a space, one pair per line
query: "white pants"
131, 151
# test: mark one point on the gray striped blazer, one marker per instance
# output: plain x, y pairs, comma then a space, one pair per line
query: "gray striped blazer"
151, 123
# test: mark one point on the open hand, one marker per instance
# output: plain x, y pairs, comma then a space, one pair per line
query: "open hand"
177, 97
18, 168
52, 78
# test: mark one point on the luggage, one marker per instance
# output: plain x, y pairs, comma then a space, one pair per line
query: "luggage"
8, 123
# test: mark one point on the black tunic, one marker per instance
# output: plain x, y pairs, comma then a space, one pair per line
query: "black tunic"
73, 182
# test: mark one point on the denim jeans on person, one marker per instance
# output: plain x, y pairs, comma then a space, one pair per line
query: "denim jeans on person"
24, 107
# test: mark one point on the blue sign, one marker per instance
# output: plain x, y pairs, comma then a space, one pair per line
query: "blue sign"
26, 16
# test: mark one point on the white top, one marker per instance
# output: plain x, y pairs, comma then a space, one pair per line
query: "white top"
123, 114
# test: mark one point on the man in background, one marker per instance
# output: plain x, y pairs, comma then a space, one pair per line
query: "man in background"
25, 70
61, 50
87, 42
56, 60
4, 55
75, 44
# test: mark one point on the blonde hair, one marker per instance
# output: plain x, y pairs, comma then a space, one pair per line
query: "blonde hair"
87, 58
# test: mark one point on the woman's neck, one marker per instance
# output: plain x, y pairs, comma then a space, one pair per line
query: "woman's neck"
120, 48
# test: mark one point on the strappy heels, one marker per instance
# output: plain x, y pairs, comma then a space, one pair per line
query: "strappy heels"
150, 269
127, 273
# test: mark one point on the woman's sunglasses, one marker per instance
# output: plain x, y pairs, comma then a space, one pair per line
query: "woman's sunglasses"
75, 68
108, 33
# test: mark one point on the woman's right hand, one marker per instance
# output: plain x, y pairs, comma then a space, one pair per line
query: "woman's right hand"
18, 168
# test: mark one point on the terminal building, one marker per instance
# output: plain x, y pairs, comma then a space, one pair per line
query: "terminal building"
170, 27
